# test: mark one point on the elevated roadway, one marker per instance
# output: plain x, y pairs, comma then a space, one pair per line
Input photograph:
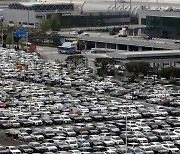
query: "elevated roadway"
130, 43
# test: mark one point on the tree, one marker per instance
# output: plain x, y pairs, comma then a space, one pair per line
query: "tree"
22, 43
138, 67
170, 72
9, 39
45, 26
76, 61
105, 65
55, 23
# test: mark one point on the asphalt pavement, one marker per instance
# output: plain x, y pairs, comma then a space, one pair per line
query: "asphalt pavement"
50, 53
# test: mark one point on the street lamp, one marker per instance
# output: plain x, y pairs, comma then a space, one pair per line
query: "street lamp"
126, 131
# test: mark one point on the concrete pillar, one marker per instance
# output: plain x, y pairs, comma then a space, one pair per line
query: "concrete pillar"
162, 65
174, 64
95, 44
117, 47
170, 64
133, 32
85, 46
127, 47
139, 48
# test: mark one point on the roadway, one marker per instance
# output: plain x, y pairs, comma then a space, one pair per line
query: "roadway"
129, 40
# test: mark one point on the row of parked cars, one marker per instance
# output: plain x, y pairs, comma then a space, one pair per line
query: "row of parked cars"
54, 109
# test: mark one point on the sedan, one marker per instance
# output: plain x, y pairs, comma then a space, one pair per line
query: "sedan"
25, 148
50, 146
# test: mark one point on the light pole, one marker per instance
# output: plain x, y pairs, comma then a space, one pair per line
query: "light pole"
126, 130
2, 36
13, 39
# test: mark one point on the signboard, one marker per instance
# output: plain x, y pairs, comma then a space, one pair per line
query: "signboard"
21, 33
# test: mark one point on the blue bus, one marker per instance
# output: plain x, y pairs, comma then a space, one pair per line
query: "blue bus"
66, 50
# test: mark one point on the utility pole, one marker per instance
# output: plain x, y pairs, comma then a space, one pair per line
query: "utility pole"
13, 39
123, 4
2, 36
115, 4
130, 10
130, 6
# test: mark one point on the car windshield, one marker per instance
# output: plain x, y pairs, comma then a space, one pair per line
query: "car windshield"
49, 144
137, 150
36, 133
163, 133
37, 145
25, 147
72, 142
13, 148
2, 148
49, 132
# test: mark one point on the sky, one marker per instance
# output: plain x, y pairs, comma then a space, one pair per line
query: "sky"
163, 1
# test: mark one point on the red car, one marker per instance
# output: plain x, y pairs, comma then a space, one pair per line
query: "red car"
3, 105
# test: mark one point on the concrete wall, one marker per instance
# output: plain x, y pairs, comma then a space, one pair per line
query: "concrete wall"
19, 17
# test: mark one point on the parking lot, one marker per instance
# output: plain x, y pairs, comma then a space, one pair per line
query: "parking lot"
48, 108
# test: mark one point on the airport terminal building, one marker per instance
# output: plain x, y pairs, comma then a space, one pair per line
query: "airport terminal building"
161, 23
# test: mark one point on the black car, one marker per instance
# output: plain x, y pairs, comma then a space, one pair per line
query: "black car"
62, 145
152, 125
76, 118
47, 121
95, 142
162, 135
25, 149
56, 120
48, 134
25, 123
37, 147
160, 150
173, 123
5, 124
150, 136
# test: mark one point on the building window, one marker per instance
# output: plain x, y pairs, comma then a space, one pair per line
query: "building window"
143, 21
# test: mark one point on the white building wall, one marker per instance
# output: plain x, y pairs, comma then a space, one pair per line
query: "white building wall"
20, 17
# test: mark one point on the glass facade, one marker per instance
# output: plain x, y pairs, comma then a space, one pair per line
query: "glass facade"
98, 19
163, 27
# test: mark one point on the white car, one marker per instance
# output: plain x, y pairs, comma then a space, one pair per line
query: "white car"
65, 119
130, 97
143, 126
108, 141
50, 146
171, 148
177, 132
72, 144
35, 121
74, 33
13, 150
37, 136
117, 140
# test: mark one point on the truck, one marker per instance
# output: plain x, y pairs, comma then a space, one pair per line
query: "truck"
122, 32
